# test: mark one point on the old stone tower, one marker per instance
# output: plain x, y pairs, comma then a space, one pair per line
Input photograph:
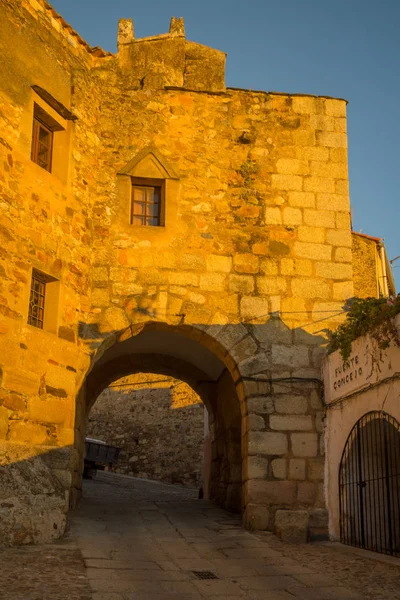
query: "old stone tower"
154, 220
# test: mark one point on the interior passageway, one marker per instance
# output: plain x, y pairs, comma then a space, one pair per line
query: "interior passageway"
172, 353
158, 423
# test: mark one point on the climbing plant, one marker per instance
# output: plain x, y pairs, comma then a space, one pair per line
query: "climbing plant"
248, 170
372, 316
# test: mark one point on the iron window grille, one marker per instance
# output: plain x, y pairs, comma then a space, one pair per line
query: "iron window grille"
37, 298
147, 202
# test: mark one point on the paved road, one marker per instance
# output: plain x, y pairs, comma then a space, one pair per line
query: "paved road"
144, 540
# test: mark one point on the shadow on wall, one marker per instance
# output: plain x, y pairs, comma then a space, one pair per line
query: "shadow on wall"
34, 495
157, 422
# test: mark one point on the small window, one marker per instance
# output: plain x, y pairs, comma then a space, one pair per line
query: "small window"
147, 202
44, 127
37, 298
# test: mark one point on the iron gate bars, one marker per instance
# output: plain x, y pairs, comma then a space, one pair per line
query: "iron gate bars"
369, 485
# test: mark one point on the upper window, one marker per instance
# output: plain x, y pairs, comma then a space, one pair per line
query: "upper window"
147, 202
42, 144
44, 127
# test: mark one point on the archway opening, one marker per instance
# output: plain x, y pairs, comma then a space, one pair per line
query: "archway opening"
172, 354
158, 423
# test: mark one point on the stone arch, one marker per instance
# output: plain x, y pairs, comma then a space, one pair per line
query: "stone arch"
195, 357
278, 399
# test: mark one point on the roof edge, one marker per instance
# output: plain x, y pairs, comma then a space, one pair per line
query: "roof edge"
44, 6
236, 89
369, 237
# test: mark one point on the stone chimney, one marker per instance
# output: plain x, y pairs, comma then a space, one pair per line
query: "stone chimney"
126, 33
177, 27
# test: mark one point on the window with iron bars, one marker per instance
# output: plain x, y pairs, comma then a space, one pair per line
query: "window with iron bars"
37, 298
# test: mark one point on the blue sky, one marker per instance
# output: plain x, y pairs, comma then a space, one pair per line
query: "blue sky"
347, 48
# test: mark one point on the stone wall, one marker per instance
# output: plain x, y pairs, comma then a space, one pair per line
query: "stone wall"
45, 224
159, 425
232, 294
373, 272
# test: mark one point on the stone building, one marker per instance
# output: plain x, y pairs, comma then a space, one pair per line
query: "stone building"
155, 221
371, 268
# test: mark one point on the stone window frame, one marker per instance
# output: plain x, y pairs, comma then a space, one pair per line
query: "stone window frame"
166, 177
60, 121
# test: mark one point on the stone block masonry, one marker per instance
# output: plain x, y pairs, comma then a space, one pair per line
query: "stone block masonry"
228, 288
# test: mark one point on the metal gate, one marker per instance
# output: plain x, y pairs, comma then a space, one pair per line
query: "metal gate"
369, 485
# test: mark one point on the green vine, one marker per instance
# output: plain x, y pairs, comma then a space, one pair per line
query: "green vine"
247, 170
373, 316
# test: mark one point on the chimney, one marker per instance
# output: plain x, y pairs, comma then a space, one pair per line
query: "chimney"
126, 33
177, 27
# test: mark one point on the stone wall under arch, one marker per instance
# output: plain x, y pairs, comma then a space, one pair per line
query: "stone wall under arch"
158, 423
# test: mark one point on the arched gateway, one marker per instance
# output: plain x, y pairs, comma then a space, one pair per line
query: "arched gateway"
191, 356
265, 452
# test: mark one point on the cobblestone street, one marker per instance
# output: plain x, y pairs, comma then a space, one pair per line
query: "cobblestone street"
144, 540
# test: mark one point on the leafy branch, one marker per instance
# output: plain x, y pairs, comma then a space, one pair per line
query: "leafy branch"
248, 170
367, 316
